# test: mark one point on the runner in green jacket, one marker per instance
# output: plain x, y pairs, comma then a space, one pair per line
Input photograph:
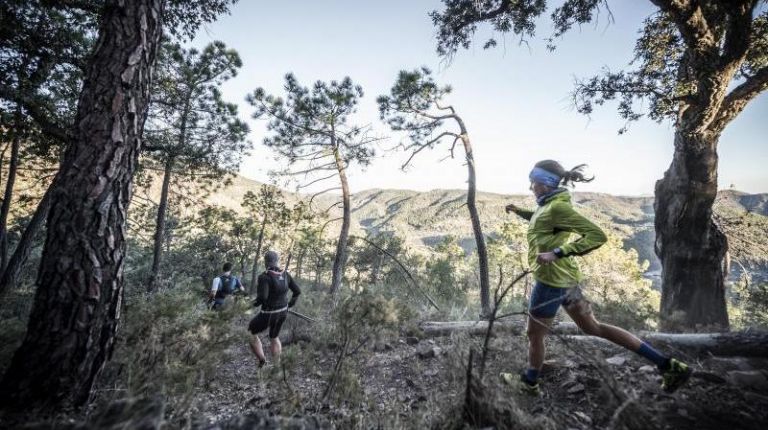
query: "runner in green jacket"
557, 275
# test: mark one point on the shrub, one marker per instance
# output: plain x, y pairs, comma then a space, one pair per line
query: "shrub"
172, 343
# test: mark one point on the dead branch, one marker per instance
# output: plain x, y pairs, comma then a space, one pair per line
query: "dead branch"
402, 266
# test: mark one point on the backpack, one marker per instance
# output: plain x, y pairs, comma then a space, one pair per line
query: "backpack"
226, 286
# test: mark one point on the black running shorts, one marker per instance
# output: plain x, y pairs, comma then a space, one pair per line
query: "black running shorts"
262, 321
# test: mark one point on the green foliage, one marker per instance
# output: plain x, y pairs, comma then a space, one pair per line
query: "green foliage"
357, 320
448, 271
413, 106
614, 283
184, 17
311, 126
749, 305
172, 343
14, 316
457, 23
372, 265
506, 249
43, 50
190, 126
676, 59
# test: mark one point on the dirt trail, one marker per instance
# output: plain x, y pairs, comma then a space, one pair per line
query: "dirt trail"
407, 382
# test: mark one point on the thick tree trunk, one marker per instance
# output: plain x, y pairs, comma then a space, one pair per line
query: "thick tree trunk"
689, 244
340, 260
482, 252
76, 310
160, 225
257, 256
12, 271
13, 167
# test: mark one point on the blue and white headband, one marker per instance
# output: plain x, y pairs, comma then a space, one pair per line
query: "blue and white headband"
544, 177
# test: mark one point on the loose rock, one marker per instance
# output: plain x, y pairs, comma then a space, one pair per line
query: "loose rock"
616, 360
429, 352
754, 379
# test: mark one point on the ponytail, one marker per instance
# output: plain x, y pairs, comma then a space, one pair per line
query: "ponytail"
567, 177
576, 175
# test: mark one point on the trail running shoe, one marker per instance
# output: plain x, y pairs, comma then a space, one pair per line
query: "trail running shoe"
523, 383
675, 375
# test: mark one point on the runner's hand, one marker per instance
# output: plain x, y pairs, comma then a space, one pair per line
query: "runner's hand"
546, 257
511, 208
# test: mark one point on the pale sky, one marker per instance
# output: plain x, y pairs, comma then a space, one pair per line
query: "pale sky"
514, 98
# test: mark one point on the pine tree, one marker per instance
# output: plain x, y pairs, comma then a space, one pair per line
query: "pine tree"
192, 133
310, 128
416, 106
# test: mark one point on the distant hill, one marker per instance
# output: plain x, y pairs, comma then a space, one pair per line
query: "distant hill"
424, 218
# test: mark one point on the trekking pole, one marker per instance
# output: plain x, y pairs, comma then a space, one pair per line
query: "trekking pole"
302, 316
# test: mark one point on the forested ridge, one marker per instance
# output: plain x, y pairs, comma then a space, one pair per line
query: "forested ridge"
138, 268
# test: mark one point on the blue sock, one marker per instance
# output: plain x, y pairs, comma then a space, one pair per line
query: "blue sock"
532, 375
656, 357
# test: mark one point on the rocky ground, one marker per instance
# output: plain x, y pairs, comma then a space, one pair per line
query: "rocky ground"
411, 382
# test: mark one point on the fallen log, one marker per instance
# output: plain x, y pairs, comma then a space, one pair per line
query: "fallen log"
477, 328
734, 344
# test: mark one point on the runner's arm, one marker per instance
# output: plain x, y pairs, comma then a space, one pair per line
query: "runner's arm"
295, 291
262, 290
566, 218
523, 213
214, 287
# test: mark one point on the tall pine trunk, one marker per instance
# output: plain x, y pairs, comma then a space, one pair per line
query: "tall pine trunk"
162, 208
76, 310
482, 251
257, 255
13, 167
340, 260
299, 263
690, 245
10, 275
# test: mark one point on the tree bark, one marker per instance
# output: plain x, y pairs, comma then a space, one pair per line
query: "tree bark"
257, 256
690, 245
482, 251
76, 310
12, 271
340, 261
13, 167
160, 226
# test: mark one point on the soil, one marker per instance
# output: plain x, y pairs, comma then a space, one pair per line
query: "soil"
401, 382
